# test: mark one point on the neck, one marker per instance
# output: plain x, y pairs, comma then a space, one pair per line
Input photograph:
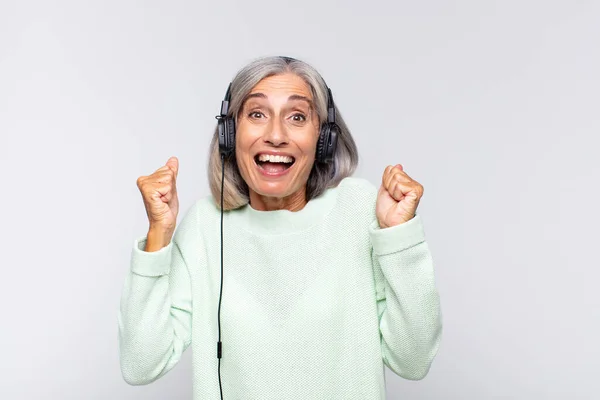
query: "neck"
294, 202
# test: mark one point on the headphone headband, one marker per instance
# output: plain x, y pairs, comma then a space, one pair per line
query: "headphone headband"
225, 102
330, 107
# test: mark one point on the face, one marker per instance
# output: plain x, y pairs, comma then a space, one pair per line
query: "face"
276, 139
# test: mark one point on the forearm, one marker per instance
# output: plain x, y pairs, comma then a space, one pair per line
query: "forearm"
146, 338
411, 323
408, 302
154, 315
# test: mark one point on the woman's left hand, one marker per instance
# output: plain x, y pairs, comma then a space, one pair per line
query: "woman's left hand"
398, 197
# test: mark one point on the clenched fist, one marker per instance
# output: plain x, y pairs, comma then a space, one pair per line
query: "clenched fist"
159, 193
398, 197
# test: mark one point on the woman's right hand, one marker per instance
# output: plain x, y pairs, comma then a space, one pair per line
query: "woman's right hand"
159, 193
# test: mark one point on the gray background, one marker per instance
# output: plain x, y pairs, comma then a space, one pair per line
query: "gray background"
493, 106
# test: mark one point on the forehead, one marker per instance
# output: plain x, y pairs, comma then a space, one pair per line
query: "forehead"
283, 85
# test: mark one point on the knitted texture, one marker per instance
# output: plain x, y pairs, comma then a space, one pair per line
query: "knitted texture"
315, 302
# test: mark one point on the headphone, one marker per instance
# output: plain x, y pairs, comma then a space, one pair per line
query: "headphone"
326, 144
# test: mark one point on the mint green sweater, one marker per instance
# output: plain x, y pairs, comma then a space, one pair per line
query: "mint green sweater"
315, 302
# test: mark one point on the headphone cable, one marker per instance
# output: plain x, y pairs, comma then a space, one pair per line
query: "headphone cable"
219, 344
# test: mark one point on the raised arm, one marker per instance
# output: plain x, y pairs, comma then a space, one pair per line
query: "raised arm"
155, 313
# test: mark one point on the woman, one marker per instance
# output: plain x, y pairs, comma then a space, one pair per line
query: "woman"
326, 278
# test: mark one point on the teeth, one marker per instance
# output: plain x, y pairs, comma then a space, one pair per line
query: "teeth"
272, 158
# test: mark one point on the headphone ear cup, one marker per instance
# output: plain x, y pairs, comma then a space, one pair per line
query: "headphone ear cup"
231, 134
322, 143
333, 139
222, 139
226, 135
327, 142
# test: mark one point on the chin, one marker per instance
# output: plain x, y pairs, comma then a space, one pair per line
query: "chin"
273, 189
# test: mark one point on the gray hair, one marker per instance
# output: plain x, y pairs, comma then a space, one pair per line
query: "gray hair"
322, 176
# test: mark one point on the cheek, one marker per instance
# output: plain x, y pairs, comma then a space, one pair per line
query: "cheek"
243, 138
308, 142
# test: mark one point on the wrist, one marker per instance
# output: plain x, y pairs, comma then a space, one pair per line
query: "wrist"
157, 238
382, 225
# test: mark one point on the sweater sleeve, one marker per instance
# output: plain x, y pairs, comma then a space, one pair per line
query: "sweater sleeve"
408, 303
155, 315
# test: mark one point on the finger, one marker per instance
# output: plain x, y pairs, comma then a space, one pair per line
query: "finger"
386, 172
388, 175
165, 176
173, 164
140, 180
166, 170
398, 177
168, 196
162, 191
391, 178
397, 170
388, 180
400, 190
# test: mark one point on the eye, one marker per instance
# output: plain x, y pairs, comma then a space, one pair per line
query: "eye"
299, 117
255, 114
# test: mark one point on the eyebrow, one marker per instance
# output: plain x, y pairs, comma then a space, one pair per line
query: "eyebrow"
264, 96
298, 97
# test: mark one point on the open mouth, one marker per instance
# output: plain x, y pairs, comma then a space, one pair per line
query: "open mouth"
274, 164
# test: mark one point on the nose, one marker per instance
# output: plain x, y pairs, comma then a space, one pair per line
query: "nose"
276, 133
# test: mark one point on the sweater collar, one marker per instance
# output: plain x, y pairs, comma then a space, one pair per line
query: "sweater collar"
285, 221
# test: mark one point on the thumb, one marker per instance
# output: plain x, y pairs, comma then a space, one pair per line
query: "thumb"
173, 163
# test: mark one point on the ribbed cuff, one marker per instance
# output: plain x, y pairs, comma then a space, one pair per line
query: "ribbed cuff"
150, 263
396, 238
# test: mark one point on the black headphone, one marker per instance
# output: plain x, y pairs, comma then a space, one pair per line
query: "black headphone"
326, 144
